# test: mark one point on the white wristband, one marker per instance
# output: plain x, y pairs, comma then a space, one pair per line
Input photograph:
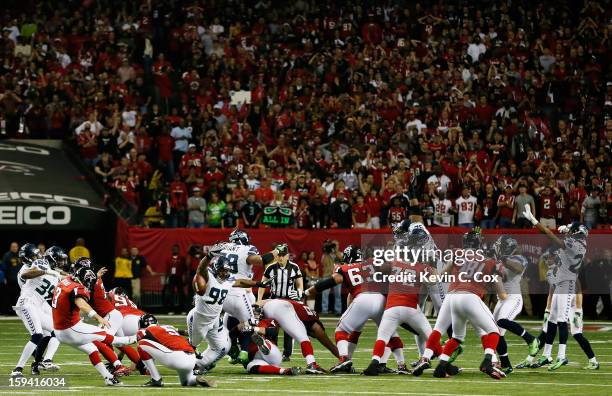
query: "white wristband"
91, 314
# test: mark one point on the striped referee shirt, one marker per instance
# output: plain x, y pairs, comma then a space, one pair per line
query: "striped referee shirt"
283, 279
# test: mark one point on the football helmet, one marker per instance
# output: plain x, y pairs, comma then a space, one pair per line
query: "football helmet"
221, 268
86, 277
81, 262
147, 320
239, 237
56, 257
351, 254
28, 253
118, 291
505, 246
472, 239
578, 230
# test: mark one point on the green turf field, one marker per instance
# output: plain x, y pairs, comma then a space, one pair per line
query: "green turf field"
569, 380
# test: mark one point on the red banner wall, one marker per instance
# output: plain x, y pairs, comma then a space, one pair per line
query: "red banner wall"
156, 243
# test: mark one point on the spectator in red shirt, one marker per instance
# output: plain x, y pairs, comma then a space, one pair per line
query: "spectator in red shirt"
548, 206
505, 207
397, 213
374, 207
264, 193
361, 213
178, 202
191, 160
176, 270
213, 174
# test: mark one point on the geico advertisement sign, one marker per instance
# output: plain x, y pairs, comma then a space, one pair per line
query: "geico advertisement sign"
41, 197
24, 149
34, 215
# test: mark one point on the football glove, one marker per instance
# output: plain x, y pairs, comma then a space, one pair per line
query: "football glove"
577, 318
564, 229
295, 295
528, 215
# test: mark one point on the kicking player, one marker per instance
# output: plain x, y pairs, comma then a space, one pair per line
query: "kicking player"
569, 256
70, 298
37, 279
164, 344
505, 311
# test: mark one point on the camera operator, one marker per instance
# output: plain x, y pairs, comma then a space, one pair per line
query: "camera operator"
331, 256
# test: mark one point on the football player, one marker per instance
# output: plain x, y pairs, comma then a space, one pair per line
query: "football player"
367, 302
37, 279
164, 344
264, 355
465, 304
71, 298
568, 256
297, 320
242, 257
212, 285
401, 308
505, 251
106, 310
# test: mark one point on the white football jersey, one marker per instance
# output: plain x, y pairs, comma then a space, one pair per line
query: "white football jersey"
466, 207
211, 303
237, 256
40, 287
512, 283
569, 260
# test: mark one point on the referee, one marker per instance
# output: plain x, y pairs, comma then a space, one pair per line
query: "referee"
286, 282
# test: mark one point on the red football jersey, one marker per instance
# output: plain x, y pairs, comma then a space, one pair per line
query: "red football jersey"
165, 335
99, 301
548, 206
406, 293
65, 311
305, 314
124, 305
472, 280
359, 278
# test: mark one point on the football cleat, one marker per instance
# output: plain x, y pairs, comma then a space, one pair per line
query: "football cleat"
542, 361
261, 345
458, 351
121, 371
384, 369
286, 358
558, 363
200, 380
112, 381
345, 365
487, 367
292, 371
592, 366
154, 383
451, 370
534, 347
440, 371
525, 363
17, 372
507, 370
402, 369
35, 369
423, 365
414, 364
314, 368
372, 369
48, 365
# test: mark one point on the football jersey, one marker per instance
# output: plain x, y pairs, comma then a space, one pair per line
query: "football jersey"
466, 208
211, 303
41, 287
359, 278
165, 335
405, 293
305, 314
99, 301
124, 305
65, 311
471, 279
569, 260
512, 281
237, 256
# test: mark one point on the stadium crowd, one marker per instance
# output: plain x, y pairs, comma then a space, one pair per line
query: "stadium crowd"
205, 113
